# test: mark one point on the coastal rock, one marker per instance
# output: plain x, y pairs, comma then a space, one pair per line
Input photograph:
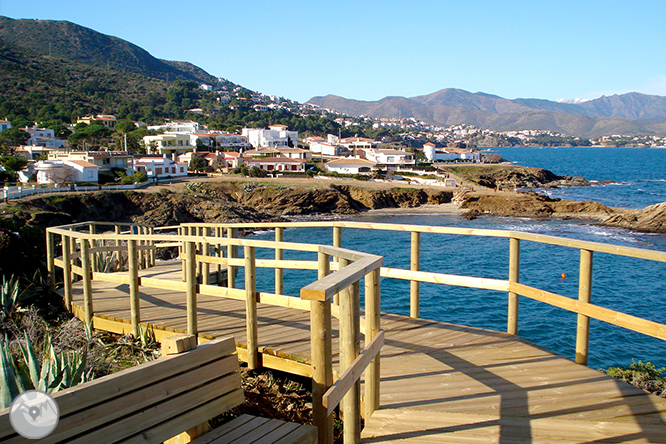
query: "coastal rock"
650, 219
531, 204
513, 177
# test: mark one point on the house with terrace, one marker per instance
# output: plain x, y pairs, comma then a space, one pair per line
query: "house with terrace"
105, 160
160, 167
350, 165
171, 144
277, 164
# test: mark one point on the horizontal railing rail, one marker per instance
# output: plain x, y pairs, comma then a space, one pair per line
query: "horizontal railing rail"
336, 293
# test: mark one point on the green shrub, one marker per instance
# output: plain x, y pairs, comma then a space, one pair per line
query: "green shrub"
646, 377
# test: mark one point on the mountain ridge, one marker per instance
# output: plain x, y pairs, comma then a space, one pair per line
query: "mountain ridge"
69, 41
631, 113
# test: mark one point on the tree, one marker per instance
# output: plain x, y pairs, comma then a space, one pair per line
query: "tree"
198, 164
15, 136
13, 164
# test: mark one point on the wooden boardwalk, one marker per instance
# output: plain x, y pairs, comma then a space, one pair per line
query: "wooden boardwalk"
439, 382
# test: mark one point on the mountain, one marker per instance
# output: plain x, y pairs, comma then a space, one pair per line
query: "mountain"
631, 113
69, 41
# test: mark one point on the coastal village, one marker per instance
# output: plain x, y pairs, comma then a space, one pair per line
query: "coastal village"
180, 147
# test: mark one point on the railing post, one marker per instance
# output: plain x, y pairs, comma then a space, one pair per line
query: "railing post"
191, 281
116, 229
218, 235
584, 296
337, 242
50, 259
133, 271
415, 262
92, 229
87, 281
278, 257
372, 327
199, 232
152, 251
322, 365
205, 252
350, 347
231, 253
251, 309
514, 273
67, 271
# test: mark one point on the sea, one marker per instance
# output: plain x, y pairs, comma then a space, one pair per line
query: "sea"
628, 285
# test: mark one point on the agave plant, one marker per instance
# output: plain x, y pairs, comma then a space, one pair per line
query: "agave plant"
10, 295
49, 374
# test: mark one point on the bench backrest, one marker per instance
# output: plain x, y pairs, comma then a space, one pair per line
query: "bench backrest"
148, 403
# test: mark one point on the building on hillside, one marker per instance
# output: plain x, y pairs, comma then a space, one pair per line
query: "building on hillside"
5, 125
160, 167
234, 159
295, 153
265, 152
105, 160
33, 152
277, 164
350, 165
275, 136
104, 119
434, 154
390, 157
356, 143
43, 137
328, 149
171, 144
179, 126
232, 141
59, 171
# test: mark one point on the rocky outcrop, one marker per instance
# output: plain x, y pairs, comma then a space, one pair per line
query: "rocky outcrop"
514, 176
531, 205
650, 219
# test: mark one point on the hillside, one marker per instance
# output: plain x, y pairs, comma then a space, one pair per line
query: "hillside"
69, 41
631, 113
30, 83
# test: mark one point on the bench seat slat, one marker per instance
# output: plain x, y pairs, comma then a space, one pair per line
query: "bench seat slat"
258, 430
110, 411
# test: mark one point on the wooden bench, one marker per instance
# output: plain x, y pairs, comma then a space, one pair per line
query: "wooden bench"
156, 401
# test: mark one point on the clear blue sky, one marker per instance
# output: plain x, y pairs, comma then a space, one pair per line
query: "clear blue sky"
371, 49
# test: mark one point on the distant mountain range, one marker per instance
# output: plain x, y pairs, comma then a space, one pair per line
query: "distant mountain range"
631, 113
72, 42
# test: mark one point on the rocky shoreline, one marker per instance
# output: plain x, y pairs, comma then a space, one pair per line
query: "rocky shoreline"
22, 222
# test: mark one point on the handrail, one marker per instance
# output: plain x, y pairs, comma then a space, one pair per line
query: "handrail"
202, 246
82, 246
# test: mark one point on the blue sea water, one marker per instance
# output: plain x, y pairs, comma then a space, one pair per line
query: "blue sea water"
632, 286
638, 173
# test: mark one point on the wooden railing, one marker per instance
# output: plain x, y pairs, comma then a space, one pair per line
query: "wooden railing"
583, 306
203, 246
129, 247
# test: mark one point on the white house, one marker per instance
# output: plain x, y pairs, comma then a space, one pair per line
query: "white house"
277, 164
350, 165
274, 136
295, 153
43, 137
58, 171
328, 149
233, 141
5, 125
390, 157
178, 126
105, 160
352, 143
160, 167
449, 154
169, 143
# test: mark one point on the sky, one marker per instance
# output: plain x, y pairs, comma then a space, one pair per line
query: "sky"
368, 50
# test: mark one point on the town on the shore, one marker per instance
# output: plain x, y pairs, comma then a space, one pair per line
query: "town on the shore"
172, 149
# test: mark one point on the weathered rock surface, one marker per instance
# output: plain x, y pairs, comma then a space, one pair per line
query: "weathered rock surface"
650, 219
532, 205
514, 176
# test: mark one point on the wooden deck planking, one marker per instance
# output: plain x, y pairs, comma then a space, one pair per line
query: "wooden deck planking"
440, 382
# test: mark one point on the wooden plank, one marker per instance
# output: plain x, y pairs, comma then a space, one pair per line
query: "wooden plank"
329, 285
446, 279
333, 396
629, 322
